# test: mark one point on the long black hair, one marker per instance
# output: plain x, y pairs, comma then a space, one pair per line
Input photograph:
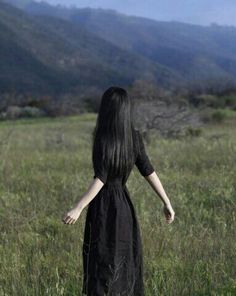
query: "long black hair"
113, 135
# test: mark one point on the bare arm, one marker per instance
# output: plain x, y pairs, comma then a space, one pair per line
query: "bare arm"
155, 183
71, 216
90, 194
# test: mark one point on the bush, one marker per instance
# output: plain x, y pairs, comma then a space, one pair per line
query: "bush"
219, 115
32, 112
194, 132
214, 101
15, 112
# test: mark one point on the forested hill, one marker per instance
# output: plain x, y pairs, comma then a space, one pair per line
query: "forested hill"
45, 54
48, 49
197, 53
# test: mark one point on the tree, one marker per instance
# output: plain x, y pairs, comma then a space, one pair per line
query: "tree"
157, 109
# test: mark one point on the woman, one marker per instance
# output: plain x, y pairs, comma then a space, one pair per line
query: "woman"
112, 247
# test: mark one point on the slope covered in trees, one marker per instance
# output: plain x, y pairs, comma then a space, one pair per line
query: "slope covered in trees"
46, 54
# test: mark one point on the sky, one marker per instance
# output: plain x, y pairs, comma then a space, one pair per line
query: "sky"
202, 12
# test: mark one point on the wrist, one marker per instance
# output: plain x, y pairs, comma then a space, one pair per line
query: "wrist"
79, 207
166, 203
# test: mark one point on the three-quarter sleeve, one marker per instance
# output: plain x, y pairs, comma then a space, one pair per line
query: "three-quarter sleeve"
99, 173
100, 170
142, 161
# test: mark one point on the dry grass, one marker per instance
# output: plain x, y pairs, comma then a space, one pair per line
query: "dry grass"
46, 166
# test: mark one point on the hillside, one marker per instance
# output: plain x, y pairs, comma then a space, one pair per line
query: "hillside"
197, 53
47, 54
19, 69
54, 49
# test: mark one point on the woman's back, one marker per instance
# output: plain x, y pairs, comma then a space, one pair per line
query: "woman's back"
112, 249
140, 159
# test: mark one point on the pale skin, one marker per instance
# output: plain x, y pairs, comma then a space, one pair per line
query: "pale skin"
96, 185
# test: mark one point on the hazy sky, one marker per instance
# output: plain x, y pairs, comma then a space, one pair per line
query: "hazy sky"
191, 11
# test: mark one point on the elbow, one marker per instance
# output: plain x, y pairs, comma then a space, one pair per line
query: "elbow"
149, 174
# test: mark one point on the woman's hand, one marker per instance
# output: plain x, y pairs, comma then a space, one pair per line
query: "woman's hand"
72, 216
169, 213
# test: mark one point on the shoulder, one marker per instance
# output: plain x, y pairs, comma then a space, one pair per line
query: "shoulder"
137, 140
138, 135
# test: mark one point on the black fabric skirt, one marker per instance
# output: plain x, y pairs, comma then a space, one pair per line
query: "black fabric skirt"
112, 247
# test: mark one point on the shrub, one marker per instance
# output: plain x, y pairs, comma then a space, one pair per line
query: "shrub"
194, 132
15, 112
218, 115
32, 112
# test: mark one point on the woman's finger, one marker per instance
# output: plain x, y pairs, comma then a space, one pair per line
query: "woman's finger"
71, 220
67, 219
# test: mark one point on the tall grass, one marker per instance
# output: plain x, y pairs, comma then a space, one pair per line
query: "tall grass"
45, 168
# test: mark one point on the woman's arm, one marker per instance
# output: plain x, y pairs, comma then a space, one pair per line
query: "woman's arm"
155, 183
71, 216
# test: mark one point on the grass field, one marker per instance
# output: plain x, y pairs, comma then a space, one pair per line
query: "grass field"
45, 168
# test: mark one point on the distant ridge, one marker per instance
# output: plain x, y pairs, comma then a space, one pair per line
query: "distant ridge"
47, 54
196, 52
58, 49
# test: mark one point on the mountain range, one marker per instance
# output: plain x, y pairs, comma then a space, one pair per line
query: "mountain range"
45, 48
202, 12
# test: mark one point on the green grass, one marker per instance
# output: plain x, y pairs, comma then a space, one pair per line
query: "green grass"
45, 168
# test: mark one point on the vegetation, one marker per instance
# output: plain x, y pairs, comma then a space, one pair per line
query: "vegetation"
58, 64
195, 53
46, 167
48, 55
54, 50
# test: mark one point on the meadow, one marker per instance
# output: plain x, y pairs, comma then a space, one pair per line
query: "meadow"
46, 167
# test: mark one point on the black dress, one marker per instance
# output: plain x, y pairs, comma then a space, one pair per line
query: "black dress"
112, 247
